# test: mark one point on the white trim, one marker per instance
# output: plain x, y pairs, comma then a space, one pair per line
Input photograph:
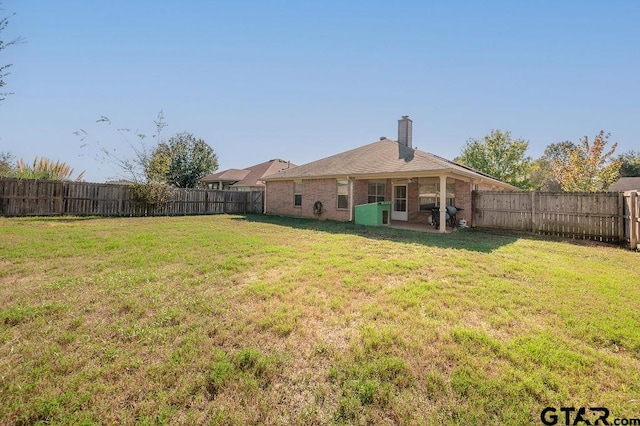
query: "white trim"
295, 182
338, 194
399, 215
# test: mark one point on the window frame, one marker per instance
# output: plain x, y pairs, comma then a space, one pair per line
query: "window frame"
342, 184
435, 196
297, 194
376, 196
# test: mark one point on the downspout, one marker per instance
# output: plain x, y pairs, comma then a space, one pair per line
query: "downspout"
351, 207
264, 208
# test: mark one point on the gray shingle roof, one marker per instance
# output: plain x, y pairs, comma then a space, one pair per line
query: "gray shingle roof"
230, 175
626, 184
381, 157
257, 172
251, 176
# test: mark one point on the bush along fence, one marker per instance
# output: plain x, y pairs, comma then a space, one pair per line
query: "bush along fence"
26, 197
603, 216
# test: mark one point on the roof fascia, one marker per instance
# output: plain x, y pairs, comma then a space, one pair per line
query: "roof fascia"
342, 176
452, 173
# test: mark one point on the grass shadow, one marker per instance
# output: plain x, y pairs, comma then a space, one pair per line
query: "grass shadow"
462, 239
473, 239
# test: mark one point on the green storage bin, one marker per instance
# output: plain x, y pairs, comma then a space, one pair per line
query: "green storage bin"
374, 214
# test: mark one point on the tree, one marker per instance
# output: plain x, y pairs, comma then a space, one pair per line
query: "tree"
6, 164
630, 164
500, 157
134, 164
542, 177
4, 22
182, 161
587, 167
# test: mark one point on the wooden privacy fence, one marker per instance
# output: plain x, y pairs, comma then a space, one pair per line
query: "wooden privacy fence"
602, 216
26, 197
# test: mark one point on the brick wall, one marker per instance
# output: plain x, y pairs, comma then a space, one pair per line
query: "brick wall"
280, 199
463, 200
413, 204
360, 192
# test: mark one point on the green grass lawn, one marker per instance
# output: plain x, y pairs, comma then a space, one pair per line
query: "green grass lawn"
263, 320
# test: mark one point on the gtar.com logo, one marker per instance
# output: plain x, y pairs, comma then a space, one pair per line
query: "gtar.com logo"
582, 416
571, 416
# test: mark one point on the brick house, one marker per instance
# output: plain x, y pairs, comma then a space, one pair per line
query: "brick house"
414, 181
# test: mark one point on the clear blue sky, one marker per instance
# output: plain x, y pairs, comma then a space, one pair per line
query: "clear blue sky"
303, 80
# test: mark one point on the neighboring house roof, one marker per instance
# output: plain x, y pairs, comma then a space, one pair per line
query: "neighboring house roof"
385, 157
626, 184
251, 176
259, 171
230, 175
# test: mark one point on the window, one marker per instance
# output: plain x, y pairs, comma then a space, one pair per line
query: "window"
429, 193
376, 192
343, 194
297, 194
429, 189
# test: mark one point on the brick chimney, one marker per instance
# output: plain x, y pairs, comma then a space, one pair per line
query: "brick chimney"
404, 131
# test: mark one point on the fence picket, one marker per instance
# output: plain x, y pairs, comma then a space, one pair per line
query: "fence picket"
23, 197
602, 216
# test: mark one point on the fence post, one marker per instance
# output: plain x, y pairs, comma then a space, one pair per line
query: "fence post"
473, 208
633, 220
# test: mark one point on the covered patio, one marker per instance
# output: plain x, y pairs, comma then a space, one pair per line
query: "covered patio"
418, 200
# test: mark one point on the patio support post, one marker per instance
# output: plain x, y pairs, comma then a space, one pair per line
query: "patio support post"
443, 204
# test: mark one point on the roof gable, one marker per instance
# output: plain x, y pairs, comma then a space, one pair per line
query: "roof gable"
257, 172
